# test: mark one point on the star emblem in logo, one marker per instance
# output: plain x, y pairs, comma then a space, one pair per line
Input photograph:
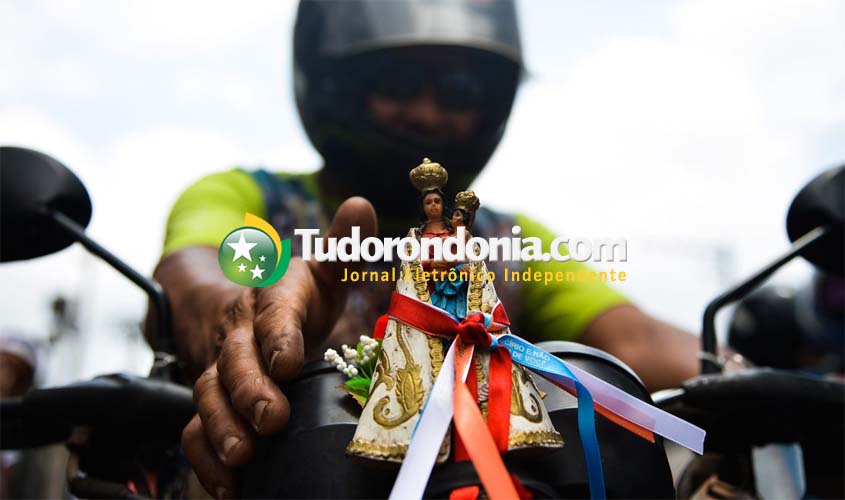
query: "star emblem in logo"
257, 272
253, 255
242, 248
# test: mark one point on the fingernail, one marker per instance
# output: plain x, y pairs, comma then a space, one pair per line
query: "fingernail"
273, 360
229, 443
258, 413
221, 492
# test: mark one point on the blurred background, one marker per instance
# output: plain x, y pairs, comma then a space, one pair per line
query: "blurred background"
684, 126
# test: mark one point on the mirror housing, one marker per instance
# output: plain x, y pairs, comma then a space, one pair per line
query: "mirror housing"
821, 204
32, 186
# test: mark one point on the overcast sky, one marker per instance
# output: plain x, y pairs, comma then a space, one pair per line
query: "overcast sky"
685, 127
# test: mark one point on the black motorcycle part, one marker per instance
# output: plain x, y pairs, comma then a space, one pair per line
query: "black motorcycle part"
308, 459
111, 404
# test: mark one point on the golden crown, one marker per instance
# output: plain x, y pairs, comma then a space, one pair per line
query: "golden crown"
467, 201
428, 176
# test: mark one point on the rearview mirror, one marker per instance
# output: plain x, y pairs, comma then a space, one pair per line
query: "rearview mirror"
821, 204
32, 186
44, 208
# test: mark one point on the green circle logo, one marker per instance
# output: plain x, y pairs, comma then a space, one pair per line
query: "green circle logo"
251, 256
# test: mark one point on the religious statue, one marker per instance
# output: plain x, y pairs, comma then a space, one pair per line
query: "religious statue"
409, 360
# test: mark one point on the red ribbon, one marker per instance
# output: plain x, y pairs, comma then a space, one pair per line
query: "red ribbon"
381, 326
472, 492
499, 397
500, 319
465, 493
434, 321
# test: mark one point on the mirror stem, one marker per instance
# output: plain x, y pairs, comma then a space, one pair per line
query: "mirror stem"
163, 339
708, 331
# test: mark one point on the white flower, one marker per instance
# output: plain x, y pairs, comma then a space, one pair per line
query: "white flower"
349, 359
333, 358
350, 353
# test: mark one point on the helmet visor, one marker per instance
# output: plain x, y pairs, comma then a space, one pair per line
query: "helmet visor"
354, 26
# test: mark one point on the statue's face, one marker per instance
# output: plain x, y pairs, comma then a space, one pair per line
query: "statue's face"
433, 206
458, 218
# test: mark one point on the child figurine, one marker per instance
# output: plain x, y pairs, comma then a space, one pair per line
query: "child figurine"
450, 293
410, 359
463, 215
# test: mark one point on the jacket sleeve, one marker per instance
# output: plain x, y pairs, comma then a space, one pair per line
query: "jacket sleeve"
563, 308
211, 208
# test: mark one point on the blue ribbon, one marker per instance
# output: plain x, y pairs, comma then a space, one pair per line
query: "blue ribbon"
536, 359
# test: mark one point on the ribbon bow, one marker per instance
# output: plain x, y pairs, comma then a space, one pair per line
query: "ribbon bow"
473, 331
439, 323
476, 440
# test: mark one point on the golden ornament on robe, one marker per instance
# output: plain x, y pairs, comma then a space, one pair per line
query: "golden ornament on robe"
428, 176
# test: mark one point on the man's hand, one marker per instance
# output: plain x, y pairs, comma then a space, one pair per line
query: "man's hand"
263, 337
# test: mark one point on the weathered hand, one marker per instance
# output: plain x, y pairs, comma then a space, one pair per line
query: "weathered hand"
264, 336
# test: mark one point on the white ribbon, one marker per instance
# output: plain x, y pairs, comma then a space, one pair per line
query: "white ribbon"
429, 433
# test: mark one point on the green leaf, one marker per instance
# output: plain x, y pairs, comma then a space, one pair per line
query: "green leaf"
358, 388
362, 400
359, 384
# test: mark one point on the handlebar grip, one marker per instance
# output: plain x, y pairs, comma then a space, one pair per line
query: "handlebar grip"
118, 402
17, 431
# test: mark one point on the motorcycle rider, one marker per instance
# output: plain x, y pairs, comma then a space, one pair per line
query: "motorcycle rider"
379, 85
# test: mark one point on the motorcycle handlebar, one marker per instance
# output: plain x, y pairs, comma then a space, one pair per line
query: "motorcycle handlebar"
146, 407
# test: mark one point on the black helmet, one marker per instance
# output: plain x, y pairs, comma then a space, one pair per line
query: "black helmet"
344, 49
